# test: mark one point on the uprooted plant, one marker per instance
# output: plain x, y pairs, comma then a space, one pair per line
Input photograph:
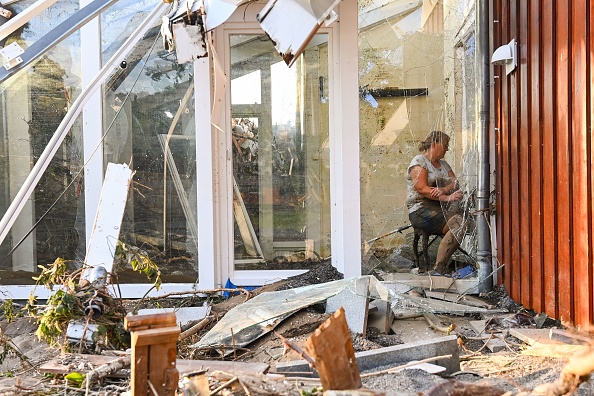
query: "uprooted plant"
85, 302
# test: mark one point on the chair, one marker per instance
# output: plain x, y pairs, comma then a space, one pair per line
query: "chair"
425, 243
424, 237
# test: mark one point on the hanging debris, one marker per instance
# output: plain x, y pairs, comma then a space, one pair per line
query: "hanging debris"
291, 24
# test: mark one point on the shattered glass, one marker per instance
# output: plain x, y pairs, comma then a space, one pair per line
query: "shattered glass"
149, 123
32, 105
416, 75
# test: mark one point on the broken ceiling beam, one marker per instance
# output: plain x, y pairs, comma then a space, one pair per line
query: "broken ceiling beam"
291, 24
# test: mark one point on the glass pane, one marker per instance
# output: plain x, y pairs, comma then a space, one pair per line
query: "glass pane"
416, 75
281, 172
149, 121
120, 20
33, 103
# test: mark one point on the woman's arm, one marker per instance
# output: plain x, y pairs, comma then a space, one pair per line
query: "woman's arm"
452, 186
419, 178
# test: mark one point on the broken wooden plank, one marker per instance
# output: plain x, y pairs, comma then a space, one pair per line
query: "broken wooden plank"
459, 299
142, 322
64, 364
332, 348
494, 344
155, 336
108, 220
154, 352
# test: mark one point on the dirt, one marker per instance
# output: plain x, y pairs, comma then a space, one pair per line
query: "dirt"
509, 370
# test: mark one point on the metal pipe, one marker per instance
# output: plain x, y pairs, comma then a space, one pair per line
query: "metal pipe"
484, 252
50, 150
23, 17
57, 34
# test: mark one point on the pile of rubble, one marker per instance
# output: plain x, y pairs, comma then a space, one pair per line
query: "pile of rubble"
311, 334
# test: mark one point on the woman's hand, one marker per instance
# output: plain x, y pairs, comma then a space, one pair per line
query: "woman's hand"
435, 192
455, 196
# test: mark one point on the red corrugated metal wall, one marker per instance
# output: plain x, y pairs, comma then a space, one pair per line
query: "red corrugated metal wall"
543, 133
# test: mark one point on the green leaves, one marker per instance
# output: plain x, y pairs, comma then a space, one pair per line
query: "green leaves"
75, 379
139, 261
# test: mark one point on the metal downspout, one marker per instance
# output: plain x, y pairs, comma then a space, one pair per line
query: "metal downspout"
484, 252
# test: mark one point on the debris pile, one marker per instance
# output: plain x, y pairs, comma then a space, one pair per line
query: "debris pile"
313, 334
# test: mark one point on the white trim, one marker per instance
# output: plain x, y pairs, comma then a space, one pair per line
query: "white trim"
90, 53
131, 290
25, 16
204, 175
344, 145
262, 277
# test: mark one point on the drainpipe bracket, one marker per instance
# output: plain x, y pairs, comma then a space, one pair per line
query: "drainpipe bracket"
11, 54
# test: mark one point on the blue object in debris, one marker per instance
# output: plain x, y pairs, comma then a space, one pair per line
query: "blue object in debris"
230, 285
463, 272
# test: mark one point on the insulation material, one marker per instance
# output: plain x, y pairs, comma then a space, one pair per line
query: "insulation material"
189, 42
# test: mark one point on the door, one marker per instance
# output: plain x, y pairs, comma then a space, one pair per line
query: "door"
276, 130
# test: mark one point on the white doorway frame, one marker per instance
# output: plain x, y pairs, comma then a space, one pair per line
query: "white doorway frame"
344, 154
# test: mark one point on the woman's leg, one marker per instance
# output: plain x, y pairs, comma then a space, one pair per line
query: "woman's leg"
454, 231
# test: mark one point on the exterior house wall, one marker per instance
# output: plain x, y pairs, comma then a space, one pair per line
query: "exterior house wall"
542, 115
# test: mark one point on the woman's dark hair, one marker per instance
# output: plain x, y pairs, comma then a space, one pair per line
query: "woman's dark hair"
433, 137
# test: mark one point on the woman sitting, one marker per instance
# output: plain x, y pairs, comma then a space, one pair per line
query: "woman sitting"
431, 183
